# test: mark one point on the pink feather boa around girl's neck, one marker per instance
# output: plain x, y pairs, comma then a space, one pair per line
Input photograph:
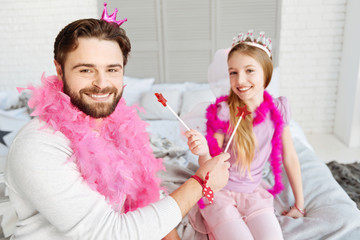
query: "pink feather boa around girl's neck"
117, 160
214, 124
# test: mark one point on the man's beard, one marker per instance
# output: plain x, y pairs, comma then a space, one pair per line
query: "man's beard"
95, 110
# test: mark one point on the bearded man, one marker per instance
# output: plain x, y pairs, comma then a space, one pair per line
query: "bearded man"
84, 168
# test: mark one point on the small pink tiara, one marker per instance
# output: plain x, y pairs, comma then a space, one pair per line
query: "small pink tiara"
112, 17
261, 42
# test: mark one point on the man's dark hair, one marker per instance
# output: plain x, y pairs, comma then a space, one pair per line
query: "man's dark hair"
67, 39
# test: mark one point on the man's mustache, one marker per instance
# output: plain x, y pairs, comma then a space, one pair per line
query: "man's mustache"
94, 90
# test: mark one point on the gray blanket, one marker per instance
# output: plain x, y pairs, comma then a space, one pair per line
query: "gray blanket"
331, 214
348, 176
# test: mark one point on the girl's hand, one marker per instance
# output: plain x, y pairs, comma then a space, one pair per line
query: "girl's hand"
173, 235
293, 212
197, 143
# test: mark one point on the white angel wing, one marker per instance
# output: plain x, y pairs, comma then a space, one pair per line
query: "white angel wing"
218, 75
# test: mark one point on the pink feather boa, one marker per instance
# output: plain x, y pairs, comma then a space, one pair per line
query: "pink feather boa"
117, 161
214, 123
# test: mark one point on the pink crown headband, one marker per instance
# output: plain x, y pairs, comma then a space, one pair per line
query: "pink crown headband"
261, 42
112, 17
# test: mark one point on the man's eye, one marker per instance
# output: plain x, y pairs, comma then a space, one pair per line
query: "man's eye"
113, 70
232, 73
85, 70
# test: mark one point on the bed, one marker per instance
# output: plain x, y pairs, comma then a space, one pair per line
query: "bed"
331, 214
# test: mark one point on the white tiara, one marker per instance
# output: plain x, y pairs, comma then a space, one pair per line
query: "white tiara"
248, 39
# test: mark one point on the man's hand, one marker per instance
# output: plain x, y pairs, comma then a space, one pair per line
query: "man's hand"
190, 192
219, 171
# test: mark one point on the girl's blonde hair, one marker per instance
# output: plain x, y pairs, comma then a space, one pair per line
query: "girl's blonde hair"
244, 139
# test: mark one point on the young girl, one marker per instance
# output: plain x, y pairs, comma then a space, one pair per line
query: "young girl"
244, 208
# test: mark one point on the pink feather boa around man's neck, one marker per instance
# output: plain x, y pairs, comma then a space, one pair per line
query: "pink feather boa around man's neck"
214, 124
116, 160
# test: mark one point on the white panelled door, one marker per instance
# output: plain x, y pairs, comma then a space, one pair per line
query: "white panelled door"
175, 40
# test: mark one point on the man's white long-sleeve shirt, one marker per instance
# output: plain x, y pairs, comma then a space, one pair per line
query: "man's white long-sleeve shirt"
53, 201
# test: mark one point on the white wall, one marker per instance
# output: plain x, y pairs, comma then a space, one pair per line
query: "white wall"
311, 39
28, 30
347, 121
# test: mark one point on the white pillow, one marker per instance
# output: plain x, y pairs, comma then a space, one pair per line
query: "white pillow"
11, 122
192, 98
8, 99
191, 86
196, 118
134, 88
155, 110
168, 86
